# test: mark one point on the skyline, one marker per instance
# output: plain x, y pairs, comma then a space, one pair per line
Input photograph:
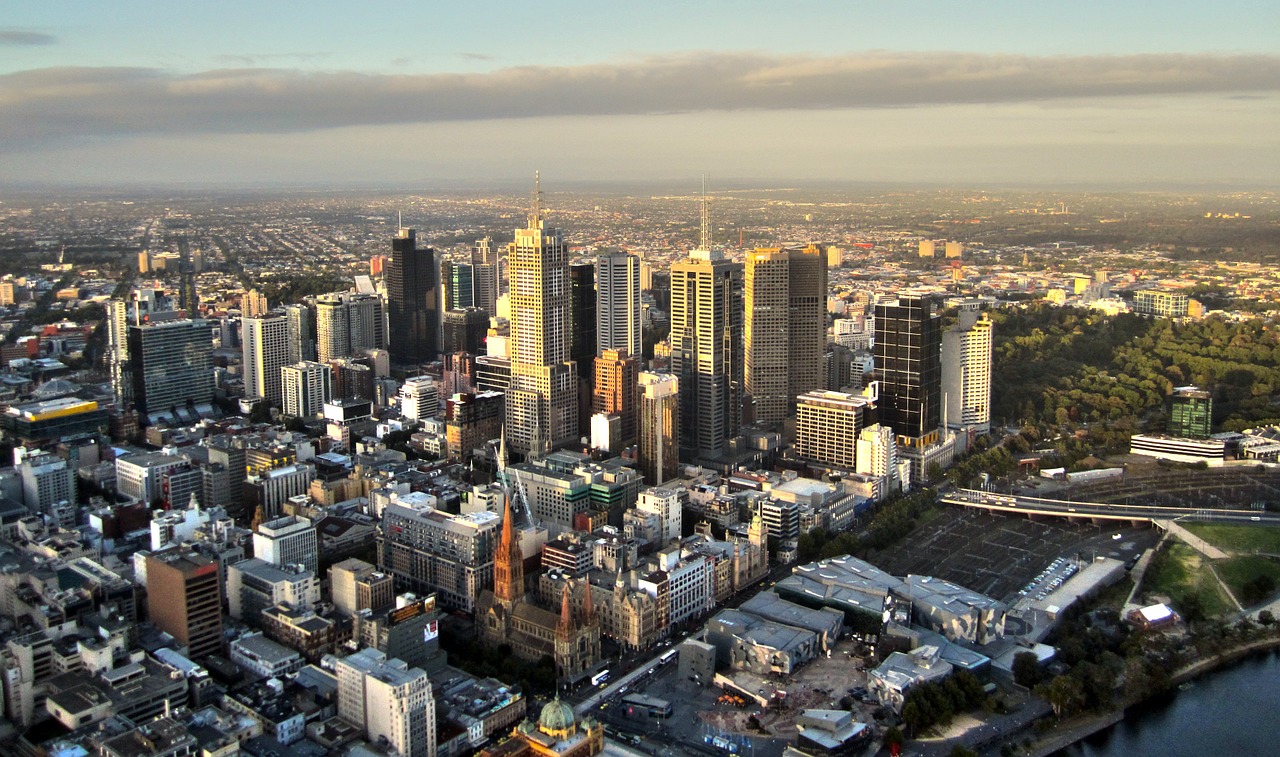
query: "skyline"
936, 93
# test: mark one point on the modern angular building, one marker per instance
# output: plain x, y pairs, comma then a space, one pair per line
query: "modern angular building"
618, 303
785, 327
1191, 413
908, 354
659, 427
966, 373
170, 365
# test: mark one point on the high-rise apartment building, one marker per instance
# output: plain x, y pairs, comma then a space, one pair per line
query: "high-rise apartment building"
908, 359
431, 551
618, 303
170, 365
412, 314
419, 398
464, 331
542, 402
785, 327
659, 427
615, 391
253, 304
306, 386
290, 540
348, 323
966, 372
470, 421
668, 505
388, 700
184, 599
266, 351
707, 351
302, 332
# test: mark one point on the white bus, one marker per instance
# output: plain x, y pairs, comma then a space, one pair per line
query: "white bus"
599, 678
667, 656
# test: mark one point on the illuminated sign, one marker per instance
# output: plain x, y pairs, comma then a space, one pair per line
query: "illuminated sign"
402, 614
431, 631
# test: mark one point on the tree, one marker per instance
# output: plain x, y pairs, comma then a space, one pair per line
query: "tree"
1266, 618
1064, 694
893, 736
1026, 669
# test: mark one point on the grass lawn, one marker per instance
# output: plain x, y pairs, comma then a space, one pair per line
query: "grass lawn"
1237, 572
1179, 572
1241, 539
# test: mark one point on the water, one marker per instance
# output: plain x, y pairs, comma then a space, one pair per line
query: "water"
1231, 712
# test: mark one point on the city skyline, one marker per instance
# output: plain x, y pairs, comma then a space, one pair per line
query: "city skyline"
1093, 93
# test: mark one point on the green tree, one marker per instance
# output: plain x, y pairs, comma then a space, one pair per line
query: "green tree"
1026, 669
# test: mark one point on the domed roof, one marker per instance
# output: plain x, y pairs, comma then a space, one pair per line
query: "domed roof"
556, 716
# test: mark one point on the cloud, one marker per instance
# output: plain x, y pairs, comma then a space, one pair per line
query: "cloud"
16, 38
39, 105
476, 56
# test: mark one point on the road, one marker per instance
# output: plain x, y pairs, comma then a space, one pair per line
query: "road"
1011, 503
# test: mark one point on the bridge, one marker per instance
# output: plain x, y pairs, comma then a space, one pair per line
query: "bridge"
1063, 508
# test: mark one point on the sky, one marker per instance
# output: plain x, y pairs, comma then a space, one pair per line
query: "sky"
433, 94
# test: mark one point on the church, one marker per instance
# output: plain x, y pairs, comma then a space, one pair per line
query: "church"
505, 615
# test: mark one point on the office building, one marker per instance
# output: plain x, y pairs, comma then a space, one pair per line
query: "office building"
419, 398
658, 453
254, 585
707, 352
616, 384
290, 540
966, 372
1191, 413
618, 303
785, 327
386, 699
464, 331
471, 420
457, 284
47, 481
542, 402
412, 313
184, 599
1161, 303
266, 351
429, 551
908, 360
356, 585
667, 504
827, 422
170, 366
348, 324
306, 387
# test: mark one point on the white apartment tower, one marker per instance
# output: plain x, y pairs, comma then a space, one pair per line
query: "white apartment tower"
618, 303
966, 372
306, 387
266, 351
387, 699
419, 398
542, 402
666, 504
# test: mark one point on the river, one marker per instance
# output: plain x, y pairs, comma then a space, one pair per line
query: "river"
1231, 711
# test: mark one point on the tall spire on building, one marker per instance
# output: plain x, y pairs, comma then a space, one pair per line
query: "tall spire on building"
588, 609
704, 237
565, 627
508, 562
535, 210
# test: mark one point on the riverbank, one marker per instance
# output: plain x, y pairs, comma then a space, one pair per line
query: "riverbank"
1075, 730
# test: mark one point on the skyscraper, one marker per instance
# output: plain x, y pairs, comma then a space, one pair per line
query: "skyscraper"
464, 331
706, 351
458, 281
266, 351
659, 444
966, 372
302, 332
1191, 413
542, 402
618, 303
184, 599
908, 354
348, 323
785, 328
306, 387
169, 365
615, 391
412, 314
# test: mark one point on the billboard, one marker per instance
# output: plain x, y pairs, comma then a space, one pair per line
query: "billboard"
431, 631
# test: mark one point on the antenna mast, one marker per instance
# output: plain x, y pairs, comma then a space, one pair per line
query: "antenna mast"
704, 241
535, 212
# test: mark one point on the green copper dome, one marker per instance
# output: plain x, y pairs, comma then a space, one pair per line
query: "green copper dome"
556, 716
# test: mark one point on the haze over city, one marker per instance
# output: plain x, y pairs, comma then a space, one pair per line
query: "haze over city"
481, 93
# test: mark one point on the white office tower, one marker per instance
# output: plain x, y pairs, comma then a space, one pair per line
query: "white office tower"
287, 541
542, 402
266, 351
666, 504
966, 373
419, 398
618, 303
386, 699
306, 387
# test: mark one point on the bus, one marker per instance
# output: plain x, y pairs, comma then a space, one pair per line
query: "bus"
667, 656
600, 678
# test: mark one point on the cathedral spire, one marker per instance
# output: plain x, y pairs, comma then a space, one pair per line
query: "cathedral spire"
565, 628
588, 610
508, 562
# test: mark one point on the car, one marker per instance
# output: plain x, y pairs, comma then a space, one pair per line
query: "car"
1254, 518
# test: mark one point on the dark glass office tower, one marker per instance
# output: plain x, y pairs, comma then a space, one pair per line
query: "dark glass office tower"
411, 301
908, 354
